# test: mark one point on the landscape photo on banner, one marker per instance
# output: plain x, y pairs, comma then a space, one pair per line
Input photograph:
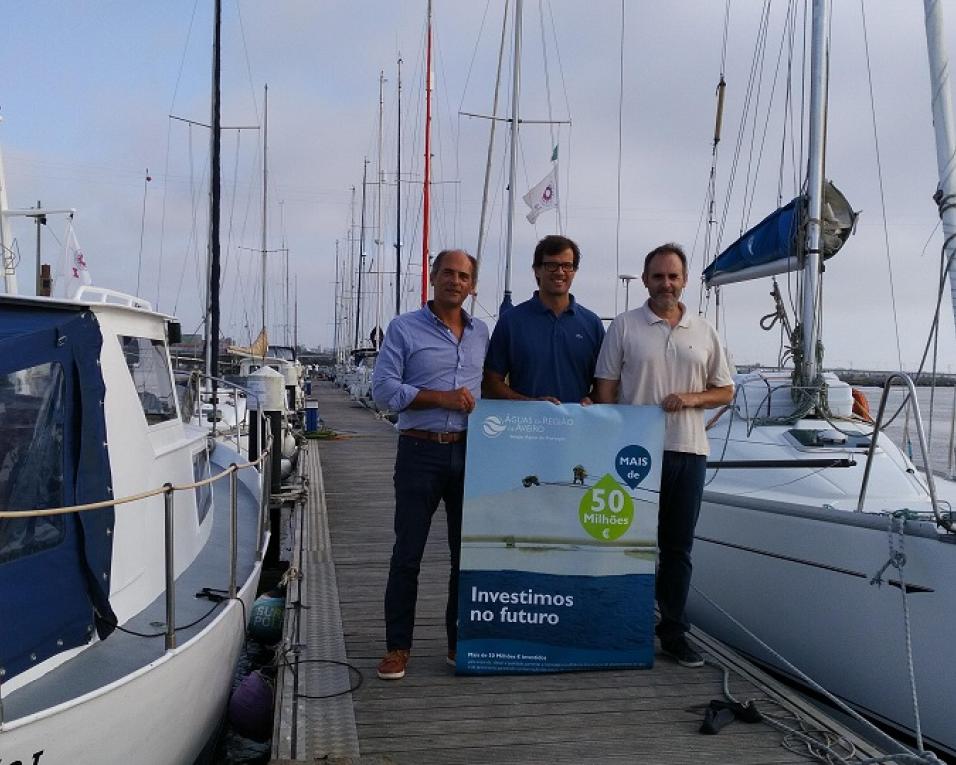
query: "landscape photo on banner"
559, 537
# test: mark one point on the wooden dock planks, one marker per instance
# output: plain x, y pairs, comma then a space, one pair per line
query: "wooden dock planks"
431, 716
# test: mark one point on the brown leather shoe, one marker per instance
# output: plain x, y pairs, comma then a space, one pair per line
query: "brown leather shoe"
450, 659
392, 667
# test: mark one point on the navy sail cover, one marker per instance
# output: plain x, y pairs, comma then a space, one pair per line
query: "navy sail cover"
54, 570
774, 245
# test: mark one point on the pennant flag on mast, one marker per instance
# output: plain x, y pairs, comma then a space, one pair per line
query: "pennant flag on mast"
75, 273
544, 196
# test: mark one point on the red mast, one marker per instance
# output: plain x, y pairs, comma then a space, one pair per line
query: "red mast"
428, 142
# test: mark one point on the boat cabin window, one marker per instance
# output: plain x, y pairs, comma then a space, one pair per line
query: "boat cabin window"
146, 360
829, 439
204, 492
32, 411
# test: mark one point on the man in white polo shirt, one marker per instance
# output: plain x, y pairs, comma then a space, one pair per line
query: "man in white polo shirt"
661, 354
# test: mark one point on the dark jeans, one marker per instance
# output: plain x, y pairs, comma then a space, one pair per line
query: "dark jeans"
425, 473
682, 483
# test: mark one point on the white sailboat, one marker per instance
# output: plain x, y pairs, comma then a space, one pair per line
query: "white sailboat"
130, 542
832, 552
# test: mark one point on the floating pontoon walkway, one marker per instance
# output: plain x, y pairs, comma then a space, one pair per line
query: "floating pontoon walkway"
343, 538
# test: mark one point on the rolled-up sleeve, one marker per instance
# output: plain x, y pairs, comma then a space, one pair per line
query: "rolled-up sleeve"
718, 371
611, 357
388, 388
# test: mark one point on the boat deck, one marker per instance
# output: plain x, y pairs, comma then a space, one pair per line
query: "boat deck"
343, 543
139, 643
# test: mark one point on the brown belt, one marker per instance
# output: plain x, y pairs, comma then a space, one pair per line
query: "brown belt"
431, 435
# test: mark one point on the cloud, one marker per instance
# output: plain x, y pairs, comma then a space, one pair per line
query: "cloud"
92, 115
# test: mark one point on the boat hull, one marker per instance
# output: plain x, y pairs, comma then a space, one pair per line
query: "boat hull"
163, 714
800, 580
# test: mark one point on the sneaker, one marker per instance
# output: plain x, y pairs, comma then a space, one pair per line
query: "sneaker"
679, 650
450, 659
392, 667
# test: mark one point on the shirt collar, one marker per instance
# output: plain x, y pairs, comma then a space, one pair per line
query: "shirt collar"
542, 308
426, 311
653, 318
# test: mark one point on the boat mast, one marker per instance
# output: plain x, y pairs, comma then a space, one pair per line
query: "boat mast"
398, 198
380, 238
513, 157
361, 258
265, 192
945, 135
491, 148
350, 271
426, 191
212, 323
285, 255
337, 306
815, 176
9, 265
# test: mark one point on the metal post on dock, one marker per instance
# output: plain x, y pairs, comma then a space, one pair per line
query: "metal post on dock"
254, 428
263, 504
233, 526
275, 422
169, 539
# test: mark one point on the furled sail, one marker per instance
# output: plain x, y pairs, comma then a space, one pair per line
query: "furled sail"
259, 347
774, 245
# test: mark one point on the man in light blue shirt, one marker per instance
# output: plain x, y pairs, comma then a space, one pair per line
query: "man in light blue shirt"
429, 370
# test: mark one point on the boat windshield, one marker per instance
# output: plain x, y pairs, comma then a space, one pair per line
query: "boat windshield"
146, 360
282, 352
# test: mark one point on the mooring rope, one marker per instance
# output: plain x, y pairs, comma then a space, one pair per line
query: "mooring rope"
905, 754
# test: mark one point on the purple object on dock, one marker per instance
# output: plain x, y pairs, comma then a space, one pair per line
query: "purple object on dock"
251, 706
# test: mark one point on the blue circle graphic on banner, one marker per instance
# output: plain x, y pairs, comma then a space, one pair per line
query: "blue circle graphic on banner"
633, 463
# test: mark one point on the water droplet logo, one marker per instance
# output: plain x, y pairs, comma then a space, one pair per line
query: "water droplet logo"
493, 426
606, 511
633, 463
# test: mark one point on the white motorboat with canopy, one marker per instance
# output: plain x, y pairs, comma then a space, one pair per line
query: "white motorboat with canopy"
130, 541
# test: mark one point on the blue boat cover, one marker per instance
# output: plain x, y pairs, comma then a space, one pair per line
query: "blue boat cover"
54, 571
775, 244
773, 239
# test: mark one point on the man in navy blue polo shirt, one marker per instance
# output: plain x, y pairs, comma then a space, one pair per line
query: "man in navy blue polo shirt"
547, 346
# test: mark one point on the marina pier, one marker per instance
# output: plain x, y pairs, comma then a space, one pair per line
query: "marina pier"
334, 636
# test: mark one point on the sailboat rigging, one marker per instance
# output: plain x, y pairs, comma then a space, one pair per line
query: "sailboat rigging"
815, 538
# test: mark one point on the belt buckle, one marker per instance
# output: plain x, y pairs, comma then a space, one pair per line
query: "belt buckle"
441, 438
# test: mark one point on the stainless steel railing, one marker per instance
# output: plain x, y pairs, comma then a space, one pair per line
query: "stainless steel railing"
169, 491
945, 523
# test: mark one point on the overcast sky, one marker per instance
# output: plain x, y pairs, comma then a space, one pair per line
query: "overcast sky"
88, 88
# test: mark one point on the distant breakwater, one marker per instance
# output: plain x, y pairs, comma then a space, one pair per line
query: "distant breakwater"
876, 377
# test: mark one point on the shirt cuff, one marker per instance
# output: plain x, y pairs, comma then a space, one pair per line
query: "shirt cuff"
403, 397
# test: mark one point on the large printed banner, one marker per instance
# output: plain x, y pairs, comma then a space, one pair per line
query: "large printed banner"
559, 537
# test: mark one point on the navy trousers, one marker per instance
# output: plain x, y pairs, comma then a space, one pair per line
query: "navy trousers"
682, 484
426, 473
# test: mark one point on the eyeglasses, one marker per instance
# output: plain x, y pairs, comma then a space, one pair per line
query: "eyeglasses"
552, 268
